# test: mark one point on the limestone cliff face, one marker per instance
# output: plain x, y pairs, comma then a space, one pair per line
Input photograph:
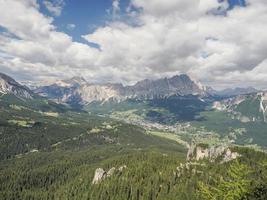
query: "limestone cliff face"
90, 92
200, 152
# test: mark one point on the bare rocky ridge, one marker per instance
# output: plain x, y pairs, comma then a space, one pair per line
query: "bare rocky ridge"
198, 152
10, 86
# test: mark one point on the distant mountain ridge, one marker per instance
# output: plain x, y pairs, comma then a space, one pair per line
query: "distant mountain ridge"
79, 91
236, 91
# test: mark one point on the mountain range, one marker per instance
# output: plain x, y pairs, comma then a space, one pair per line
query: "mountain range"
78, 90
179, 95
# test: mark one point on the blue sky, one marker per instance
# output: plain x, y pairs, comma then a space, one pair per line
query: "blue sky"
104, 41
233, 3
86, 15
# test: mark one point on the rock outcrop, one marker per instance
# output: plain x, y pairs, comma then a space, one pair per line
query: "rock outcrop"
101, 174
200, 152
229, 155
111, 171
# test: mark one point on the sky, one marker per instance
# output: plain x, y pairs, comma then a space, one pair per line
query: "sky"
221, 43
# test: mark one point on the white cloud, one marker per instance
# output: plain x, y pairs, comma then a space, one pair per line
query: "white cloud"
24, 20
54, 6
240, 45
158, 8
172, 36
115, 9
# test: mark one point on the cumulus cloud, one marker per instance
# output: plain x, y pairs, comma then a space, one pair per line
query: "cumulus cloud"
169, 37
54, 6
238, 46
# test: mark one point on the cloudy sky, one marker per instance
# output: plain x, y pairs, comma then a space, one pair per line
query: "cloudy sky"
221, 43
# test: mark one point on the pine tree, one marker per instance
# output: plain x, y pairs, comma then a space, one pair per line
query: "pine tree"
231, 187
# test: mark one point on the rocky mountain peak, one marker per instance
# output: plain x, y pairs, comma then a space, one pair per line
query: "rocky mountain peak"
9, 86
76, 80
165, 87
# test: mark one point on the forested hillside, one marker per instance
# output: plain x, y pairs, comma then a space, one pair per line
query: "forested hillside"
150, 173
49, 151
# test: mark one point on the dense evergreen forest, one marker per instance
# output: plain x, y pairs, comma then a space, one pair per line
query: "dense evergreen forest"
54, 154
149, 174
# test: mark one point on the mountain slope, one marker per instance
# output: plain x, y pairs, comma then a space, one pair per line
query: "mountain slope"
9, 86
13, 94
251, 107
